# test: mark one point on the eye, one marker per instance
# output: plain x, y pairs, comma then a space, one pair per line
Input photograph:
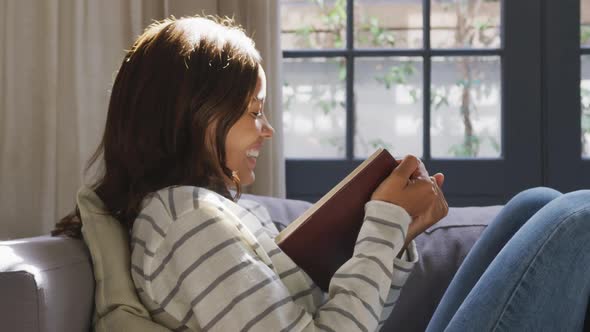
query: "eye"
257, 114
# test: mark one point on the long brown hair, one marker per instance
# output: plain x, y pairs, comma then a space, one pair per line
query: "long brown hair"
180, 88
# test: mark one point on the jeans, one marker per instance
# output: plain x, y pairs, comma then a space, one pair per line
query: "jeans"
529, 271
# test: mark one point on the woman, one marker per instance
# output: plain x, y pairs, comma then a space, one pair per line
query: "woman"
185, 126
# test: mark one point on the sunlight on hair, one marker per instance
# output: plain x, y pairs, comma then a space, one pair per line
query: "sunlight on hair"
221, 30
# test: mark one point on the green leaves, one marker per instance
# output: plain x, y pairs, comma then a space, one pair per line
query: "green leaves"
584, 34
439, 98
326, 105
380, 37
304, 34
470, 146
379, 143
396, 75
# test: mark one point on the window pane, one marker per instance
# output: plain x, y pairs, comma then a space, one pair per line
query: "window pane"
465, 107
585, 22
465, 23
314, 24
314, 110
388, 106
585, 91
376, 27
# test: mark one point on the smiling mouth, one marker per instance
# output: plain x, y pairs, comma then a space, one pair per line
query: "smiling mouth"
252, 153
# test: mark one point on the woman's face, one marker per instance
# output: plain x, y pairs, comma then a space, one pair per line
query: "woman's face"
245, 138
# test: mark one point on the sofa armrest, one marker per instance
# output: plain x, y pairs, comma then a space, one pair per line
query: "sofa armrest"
46, 285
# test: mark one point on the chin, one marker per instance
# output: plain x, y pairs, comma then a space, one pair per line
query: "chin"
248, 180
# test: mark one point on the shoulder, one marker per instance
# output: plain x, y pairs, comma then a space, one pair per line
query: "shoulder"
180, 200
258, 210
176, 215
161, 209
252, 206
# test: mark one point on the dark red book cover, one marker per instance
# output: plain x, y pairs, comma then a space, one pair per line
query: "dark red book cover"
322, 239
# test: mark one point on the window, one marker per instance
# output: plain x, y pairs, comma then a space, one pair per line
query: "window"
456, 83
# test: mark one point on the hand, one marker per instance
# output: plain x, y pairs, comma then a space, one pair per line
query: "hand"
410, 187
436, 212
415, 195
421, 172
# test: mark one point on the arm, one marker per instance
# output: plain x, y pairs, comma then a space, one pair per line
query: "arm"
216, 281
372, 263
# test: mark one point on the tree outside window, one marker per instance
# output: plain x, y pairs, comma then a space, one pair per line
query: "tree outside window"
464, 92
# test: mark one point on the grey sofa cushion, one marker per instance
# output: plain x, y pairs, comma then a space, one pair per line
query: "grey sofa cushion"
20, 314
442, 249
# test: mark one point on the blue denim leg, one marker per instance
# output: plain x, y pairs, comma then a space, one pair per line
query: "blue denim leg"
514, 214
540, 280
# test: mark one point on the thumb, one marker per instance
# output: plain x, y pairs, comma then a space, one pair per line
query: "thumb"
440, 179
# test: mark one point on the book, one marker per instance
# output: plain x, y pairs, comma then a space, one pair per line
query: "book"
322, 239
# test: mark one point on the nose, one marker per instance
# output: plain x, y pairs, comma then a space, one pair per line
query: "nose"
267, 130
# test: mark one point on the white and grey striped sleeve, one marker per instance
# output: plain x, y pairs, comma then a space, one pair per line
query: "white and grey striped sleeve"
204, 275
364, 290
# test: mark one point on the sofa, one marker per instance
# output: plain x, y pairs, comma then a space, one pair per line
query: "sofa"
47, 283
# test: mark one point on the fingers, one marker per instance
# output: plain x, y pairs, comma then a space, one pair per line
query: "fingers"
404, 170
416, 194
433, 213
443, 206
421, 171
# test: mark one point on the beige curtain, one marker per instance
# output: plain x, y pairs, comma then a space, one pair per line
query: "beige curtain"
58, 59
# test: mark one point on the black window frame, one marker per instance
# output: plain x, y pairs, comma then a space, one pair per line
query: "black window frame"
481, 181
564, 167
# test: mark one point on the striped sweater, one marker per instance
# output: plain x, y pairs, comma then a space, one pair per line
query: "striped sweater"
201, 262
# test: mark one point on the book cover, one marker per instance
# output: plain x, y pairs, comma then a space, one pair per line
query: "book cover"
322, 239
